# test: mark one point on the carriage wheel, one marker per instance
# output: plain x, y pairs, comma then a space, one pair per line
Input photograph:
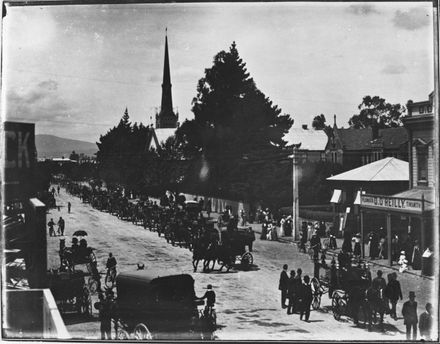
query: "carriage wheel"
213, 318
93, 285
122, 334
316, 302
336, 307
247, 259
110, 279
86, 302
141, 332
92, 257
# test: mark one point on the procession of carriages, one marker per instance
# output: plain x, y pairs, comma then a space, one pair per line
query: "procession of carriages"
179, 222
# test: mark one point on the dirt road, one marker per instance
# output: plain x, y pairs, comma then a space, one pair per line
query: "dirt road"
248, 302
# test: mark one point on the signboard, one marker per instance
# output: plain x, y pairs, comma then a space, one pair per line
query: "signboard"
407, 205
19, 159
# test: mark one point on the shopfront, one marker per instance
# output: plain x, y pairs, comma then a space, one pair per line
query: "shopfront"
410, 219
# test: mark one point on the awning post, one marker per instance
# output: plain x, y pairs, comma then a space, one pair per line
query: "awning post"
390, 262
362, 235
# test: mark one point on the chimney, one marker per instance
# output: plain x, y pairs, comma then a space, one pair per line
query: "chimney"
304, 126
334, 120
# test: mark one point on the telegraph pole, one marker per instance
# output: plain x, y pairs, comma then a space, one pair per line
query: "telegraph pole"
295, 207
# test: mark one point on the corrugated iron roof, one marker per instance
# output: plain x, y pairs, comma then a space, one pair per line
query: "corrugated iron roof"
361, 139
310, 139
388, 169
416, 193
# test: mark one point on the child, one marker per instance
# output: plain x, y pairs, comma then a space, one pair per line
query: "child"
403, 262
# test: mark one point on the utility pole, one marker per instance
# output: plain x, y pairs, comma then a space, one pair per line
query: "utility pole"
295, 206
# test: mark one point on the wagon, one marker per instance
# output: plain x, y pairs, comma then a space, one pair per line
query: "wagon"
354, 294
239, 239
70, 291
152, 305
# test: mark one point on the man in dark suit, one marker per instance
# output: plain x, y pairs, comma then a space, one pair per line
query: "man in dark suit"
393, 292
291, 293
283, 285
409, 312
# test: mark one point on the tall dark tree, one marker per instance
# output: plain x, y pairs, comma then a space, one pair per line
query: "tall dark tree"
234, 126
376, 111
121, 156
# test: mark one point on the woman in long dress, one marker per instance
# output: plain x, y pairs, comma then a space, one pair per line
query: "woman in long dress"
416, 257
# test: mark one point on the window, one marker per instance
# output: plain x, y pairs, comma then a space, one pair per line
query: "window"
422, 164
323, 158
429, 109
334, 157
421, 109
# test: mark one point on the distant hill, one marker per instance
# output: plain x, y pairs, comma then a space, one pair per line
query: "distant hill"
49, 146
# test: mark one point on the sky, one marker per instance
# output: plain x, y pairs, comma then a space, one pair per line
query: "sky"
73, 69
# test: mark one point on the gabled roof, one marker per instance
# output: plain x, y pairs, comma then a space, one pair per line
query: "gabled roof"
158, 136
310, 139
388, 169
361, 139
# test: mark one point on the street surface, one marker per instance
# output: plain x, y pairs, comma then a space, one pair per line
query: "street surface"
248, 302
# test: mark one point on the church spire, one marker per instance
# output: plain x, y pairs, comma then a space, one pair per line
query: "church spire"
167, 101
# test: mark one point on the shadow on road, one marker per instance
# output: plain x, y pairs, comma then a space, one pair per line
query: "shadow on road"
74, 318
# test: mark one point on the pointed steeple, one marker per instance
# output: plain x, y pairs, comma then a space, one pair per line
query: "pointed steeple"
166, 117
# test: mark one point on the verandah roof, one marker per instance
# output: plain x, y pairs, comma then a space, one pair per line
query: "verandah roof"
387, 169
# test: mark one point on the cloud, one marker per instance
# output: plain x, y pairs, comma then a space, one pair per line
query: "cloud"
394, 69
412, 19
362, 9
42, 102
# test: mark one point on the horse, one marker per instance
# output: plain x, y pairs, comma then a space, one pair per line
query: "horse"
376, 306
210, 256
199, 250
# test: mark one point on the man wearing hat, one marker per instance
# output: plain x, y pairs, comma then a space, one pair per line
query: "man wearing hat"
379, 282
409, 312
283, 285
210, 299
105, 307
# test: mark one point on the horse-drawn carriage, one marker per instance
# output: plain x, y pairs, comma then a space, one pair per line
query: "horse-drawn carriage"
81, 254
152, 306
70, 291
228, 247
352, 296
241, 240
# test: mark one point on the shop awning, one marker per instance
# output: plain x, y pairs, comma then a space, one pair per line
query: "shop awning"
416, 193
336, 197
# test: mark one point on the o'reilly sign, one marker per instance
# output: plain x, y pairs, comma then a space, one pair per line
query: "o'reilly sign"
392, 203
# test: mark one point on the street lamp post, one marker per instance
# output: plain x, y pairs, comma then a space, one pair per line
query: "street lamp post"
295, 205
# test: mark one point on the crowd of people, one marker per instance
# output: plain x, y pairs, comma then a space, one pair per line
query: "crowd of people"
296, 293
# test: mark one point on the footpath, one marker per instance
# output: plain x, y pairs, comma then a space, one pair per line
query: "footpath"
376, 262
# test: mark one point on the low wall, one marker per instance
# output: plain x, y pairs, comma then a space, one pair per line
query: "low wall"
32, 314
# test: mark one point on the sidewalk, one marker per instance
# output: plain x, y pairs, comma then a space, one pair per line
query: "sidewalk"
377, 262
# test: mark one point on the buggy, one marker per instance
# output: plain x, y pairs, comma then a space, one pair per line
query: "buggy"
239, 239
70, 291
150, 305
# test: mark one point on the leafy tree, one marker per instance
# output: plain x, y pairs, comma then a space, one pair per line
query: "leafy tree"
376, 111
74, 156
235, 127
319, 122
